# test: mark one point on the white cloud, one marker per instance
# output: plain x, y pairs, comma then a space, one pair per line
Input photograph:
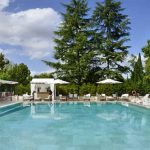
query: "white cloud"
129, 57
4, 4
32, 30
1, 50
7, 51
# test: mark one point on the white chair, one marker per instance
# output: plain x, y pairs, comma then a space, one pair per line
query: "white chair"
70, 96
145, 100
104, 95
114, 95
101, 97
27, 97
62, 98
125, 97
75, 96
111, 98
87, 97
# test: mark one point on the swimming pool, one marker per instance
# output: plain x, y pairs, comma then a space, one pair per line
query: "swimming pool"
76, 126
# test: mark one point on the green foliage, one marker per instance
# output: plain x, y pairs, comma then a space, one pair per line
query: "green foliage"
91, 88
147, 71
19, 73
3, 62
146, 51
15, 72
88, 88
73, 50
132, 62
111, 89
4, 75
127, 87
84, 89
22, 89
61, 89
111, 31
43, 75
73, 88
138, 74
87, 50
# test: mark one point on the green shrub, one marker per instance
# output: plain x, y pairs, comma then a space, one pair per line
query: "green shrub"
22, 89
108, 89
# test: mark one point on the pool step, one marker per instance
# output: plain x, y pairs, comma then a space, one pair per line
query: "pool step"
10, 108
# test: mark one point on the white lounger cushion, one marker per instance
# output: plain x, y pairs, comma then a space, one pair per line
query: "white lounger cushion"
125, 95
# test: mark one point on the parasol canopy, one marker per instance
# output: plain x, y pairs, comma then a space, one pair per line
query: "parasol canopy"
109, 81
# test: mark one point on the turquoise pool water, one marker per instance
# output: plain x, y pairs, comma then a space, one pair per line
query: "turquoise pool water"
78, 126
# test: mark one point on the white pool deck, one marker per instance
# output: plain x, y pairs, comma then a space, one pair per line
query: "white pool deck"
7, 103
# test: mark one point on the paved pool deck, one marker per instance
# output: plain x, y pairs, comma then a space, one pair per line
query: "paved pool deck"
5, 102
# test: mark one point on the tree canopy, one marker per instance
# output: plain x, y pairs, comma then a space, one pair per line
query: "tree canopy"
3, 62
73, 51
138, 73
16, 72
93, 46
112, 26
146, 51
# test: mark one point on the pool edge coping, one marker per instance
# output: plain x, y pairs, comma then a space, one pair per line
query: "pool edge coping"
6, 105
103, 102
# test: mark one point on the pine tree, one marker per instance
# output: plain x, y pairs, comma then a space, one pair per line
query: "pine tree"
3, 62
146, 51
111, 31
73, 52
138, 73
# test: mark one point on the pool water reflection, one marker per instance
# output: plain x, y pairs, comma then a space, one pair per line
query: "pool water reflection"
69, 126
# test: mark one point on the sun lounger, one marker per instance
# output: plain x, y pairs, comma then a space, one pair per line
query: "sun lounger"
112, 98
27, 97
62, 98
49, 98
134, 99
124, 97
139, 100
109, 98
102, 97
87, 97
115, 96
70, 96
146, 100
75, 96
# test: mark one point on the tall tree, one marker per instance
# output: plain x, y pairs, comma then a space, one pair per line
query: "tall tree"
132, 62
138, 73
73, 50
112, 31
3, 62
22, 74
146, 51
19, 73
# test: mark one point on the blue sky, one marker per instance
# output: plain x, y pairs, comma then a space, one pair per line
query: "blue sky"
26, 29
